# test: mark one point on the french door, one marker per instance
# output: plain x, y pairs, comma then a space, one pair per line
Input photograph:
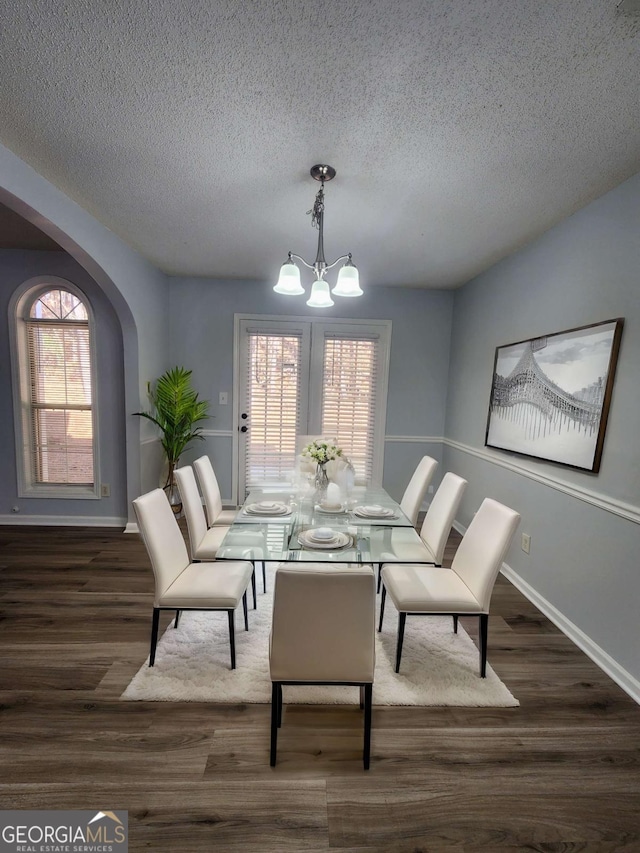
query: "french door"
302, 377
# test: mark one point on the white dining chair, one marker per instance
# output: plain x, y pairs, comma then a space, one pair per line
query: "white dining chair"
323, 632
417, 487
179, 584
208, 482
464, 589
205, 541
441, 514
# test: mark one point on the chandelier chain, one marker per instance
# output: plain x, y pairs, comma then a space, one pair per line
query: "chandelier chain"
318, 208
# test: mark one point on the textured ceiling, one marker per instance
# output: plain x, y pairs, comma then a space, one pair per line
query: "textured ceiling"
459, 130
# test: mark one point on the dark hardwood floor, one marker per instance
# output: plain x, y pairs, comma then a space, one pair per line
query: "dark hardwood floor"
559, 773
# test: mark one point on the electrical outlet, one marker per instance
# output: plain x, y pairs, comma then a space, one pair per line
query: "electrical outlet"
105, 490
223, 398
526, 543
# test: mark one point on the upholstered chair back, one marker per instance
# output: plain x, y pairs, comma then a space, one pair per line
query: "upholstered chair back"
418, 484
323, 623
162, 538
441, 514
484, 547
209, 487
192, 506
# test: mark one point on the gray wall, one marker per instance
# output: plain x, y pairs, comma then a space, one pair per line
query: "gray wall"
202, 320
137, 291
17, 267
585, 534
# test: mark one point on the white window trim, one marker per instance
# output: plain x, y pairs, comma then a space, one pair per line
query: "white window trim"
382, 327
19, 376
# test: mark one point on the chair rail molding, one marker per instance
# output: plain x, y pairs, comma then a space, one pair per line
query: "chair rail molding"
416, 439
612, 505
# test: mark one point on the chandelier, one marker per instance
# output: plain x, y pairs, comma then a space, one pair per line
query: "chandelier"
348, 281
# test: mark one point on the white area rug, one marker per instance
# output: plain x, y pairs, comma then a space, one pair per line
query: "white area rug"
192, 665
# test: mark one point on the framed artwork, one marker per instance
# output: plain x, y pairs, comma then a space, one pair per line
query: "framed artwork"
550, 396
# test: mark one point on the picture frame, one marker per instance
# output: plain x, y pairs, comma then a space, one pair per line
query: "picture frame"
550, 395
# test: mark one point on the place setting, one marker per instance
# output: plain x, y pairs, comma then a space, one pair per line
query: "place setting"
330, 508
324, 538
374, 511
268, 509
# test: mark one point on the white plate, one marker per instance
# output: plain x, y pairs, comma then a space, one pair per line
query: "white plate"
314, 536
341, 540
369, 512
338, 509
277, 509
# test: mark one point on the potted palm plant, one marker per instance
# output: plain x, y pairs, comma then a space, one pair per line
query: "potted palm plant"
176, 412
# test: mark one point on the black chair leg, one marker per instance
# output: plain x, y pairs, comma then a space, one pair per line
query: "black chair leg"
245, 611
232, 638
279, 705
455, 623
253, 587
155, 622
379, 577
382, 602
274, 723
175, 624
368, 701
484, 630
402, 619
264, 575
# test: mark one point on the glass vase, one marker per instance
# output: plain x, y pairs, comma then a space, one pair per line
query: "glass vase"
321, 480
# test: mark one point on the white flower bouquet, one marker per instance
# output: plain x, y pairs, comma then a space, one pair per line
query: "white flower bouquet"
321, 450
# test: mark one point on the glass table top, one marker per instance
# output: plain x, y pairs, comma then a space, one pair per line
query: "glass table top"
305, 508
350, 539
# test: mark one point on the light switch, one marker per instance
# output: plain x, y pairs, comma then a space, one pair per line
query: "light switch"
223, 398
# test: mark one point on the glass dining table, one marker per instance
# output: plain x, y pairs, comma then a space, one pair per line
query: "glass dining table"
286, 525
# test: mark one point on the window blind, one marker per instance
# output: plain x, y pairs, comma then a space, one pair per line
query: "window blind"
350, 382
61, 421
273, 409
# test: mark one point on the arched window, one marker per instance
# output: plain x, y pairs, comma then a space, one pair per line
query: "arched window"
56, 379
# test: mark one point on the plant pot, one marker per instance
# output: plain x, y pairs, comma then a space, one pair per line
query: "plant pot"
173, 494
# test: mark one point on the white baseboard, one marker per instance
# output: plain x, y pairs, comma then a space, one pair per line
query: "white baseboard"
61, 520
602, 659
131, 527
607, 664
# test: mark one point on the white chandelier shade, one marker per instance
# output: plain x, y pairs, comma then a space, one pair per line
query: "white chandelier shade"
289, 281
348, 281
348, 284
320, 295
